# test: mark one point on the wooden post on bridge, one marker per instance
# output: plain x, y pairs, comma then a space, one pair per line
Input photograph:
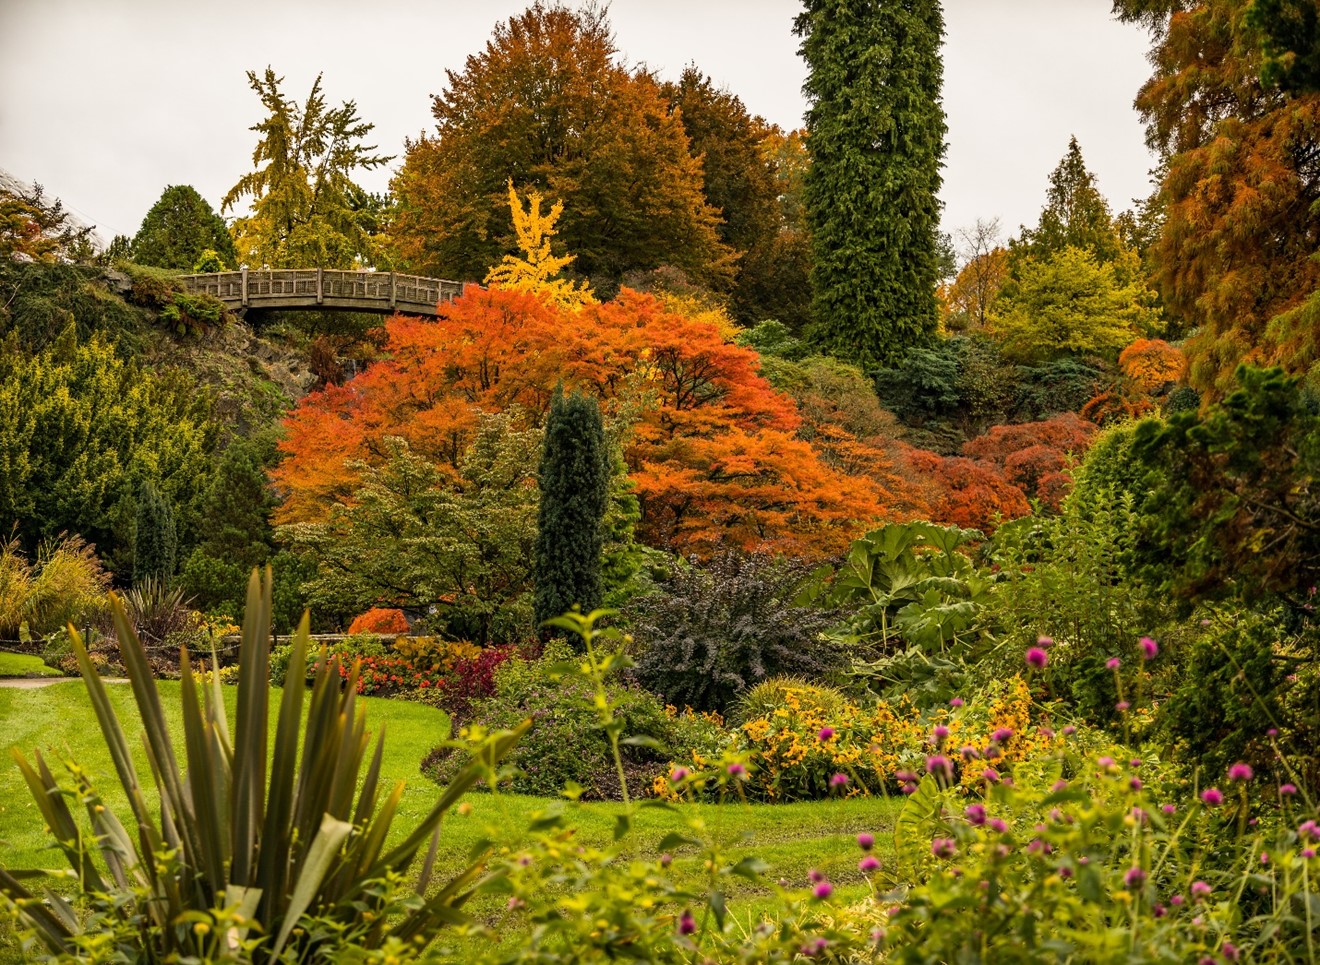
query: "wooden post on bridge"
245, 298
320, 297
393, 291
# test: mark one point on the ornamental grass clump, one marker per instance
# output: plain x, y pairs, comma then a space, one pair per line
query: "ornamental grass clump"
253, 855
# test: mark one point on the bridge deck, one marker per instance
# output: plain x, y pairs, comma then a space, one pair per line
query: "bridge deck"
318, 288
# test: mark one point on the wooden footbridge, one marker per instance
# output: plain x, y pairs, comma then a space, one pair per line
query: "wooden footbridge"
312, 289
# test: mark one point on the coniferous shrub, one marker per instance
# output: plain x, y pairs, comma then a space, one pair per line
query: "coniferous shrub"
575, 481
155, 540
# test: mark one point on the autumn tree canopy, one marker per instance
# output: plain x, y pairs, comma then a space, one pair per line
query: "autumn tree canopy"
549, 104
712, 450
1241, 169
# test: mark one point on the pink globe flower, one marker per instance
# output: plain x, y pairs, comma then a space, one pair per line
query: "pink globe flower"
1045, 642
1113, 663
1200, 889
1122, 706
1149, 648
1240, 772
686, 923
815, 876
823, 890
975, 814
956, 702
943, 847
1287, 789
941, 733
677, 774
1038, 658
839, 780
736, 769
997, 824
1069, 730
939, 765
825, 733
865, 841
1134, 877
1002, 734
868, 864
1212, 796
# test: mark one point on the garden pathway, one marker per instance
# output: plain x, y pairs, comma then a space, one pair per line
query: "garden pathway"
28, 683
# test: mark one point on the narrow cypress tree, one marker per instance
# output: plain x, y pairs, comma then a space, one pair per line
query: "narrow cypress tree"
155, 541
575, 480
875, 132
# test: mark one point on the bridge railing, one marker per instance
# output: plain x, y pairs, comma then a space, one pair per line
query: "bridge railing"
319, 285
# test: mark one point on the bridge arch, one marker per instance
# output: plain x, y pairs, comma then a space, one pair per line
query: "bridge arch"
325, 288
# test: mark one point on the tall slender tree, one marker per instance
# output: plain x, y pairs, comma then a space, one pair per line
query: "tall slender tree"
876, 136
575, 483
155, 539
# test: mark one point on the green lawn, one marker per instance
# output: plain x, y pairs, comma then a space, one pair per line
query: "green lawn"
793, 838
24, 665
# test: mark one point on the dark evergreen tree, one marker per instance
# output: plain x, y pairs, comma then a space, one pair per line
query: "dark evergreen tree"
575, 482
178, 228
876, 136
155, 540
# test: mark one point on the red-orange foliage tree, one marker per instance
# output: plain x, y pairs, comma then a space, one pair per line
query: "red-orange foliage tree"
968, 493
378, 620
1034, 455
713, 451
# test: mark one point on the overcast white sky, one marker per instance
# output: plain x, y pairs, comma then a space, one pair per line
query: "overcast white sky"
105, 102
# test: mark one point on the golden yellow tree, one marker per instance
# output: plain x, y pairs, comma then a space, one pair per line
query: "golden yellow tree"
540, 271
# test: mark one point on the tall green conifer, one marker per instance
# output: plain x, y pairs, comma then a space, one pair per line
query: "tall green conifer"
575, 481
876, 136
155, 540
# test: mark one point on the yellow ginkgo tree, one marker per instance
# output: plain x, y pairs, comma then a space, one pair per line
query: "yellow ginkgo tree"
539, 271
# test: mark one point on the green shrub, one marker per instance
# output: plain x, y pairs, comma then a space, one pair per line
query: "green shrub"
566, 745
237, 867
708, 634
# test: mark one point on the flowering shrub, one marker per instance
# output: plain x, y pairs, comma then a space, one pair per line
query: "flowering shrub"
377, 620
799, 747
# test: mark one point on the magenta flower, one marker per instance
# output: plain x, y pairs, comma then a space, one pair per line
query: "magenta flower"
1212, 796
1308, 830
1069, 730
1272, 733
839, 780
686, 923
1200, 889
1240, 772
736, 769
1122, 706
1176, 900
991, 775
956, 702
823, 890
1001, 735
1113, 663
1229, 951
1135, 783
1149, 648
1106, 762
1168, 809
997, 824
677, 774
1038, 658
1045, 642
815, 876
968, 752
865, 841
943, 847
975, 814
1286, 789
939, 764
1308, 852
868, 863
909, 789
941, 733
1059, 785
825, 733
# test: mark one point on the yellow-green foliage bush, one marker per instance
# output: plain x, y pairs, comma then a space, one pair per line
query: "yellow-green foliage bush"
65, 584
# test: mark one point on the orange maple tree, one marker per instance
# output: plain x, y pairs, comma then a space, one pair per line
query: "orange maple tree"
714, 452
379, 620
967, 492
1034, 455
